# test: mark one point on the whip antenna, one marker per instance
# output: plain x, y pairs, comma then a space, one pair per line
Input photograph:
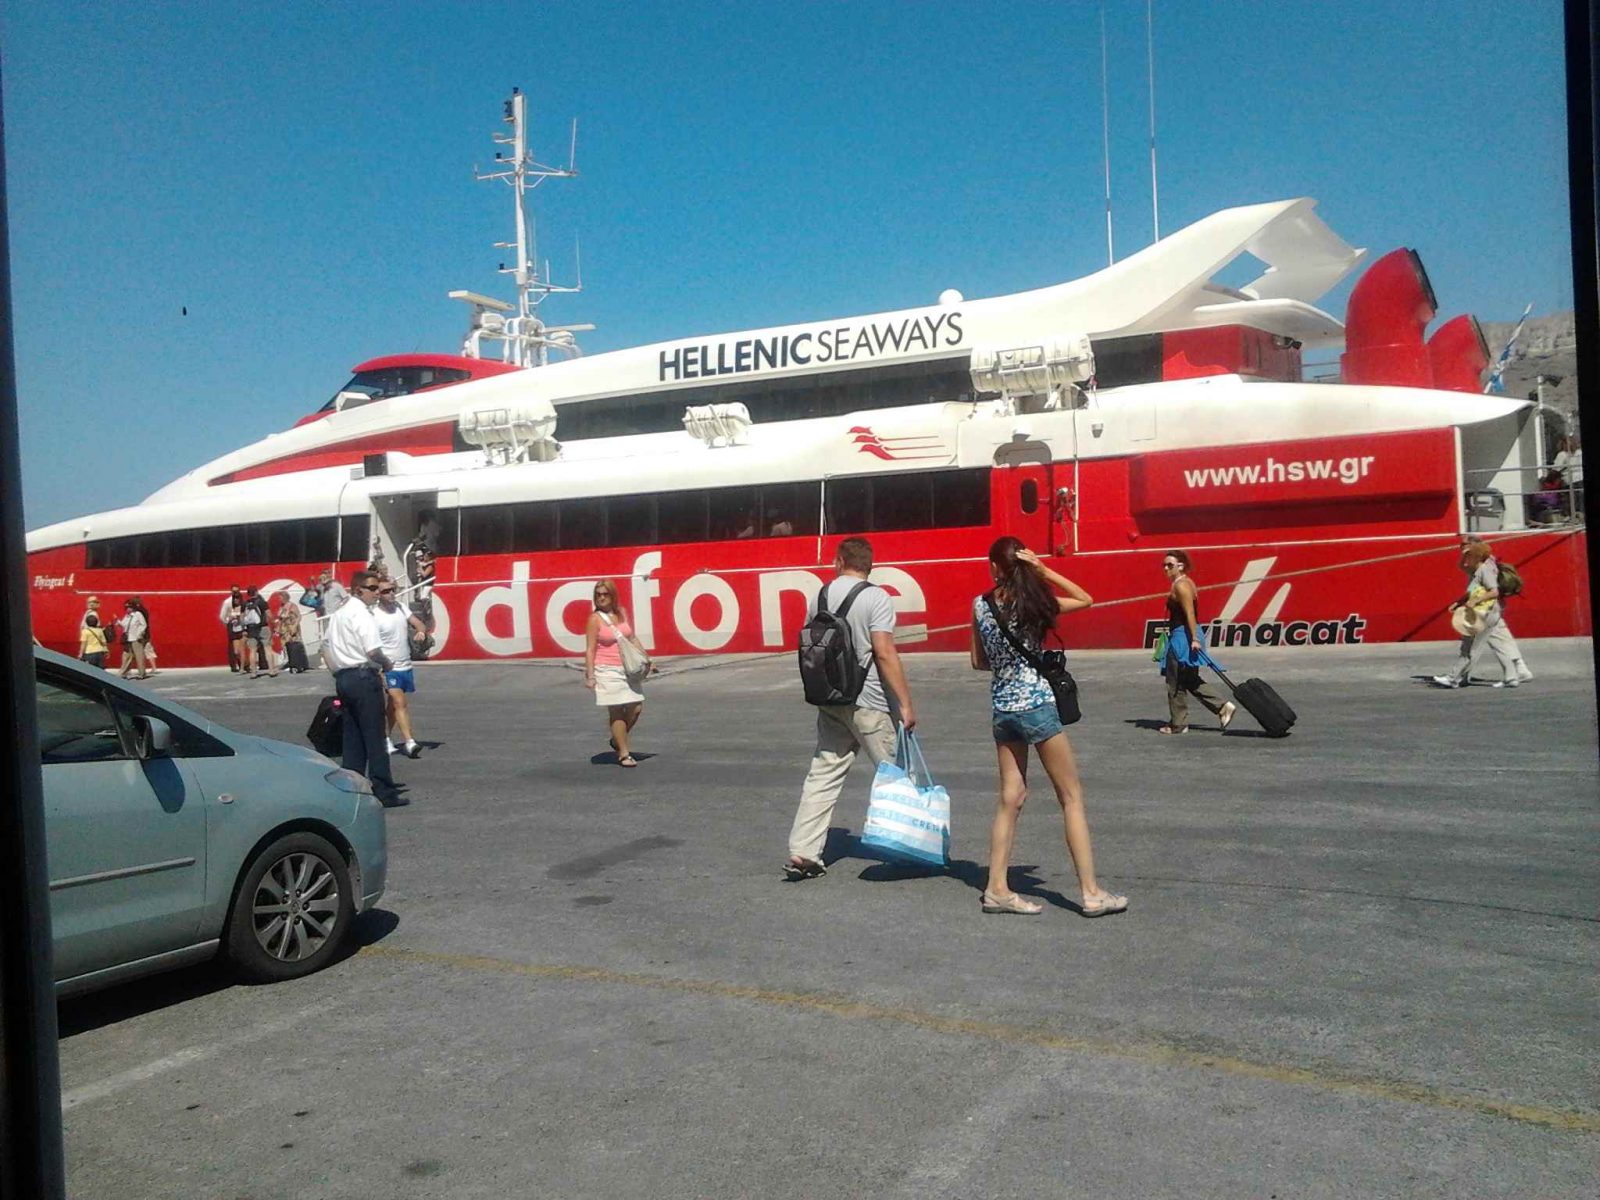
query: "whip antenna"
1105, 131
1150, 70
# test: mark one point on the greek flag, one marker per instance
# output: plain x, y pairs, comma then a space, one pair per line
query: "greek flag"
1496, 383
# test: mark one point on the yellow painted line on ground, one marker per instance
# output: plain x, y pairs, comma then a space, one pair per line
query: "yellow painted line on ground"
1153, 1053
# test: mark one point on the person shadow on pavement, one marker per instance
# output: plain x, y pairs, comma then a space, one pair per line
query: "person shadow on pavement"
608, 758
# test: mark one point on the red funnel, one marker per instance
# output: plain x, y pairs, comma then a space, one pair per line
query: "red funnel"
1389, 309
1458, 354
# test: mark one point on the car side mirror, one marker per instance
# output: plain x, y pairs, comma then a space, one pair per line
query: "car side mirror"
152, 737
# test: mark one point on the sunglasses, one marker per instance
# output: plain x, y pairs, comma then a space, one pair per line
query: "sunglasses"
386, 591
369, 587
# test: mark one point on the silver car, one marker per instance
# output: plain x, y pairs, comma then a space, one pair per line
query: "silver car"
171, 838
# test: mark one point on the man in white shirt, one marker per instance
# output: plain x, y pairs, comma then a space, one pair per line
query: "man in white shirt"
395, 627
353, 651
868, 724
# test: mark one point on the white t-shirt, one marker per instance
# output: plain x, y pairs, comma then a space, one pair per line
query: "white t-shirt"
350, 637
394, 631
871, 612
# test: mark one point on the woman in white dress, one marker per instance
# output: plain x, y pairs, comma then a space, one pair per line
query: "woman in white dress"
616, 689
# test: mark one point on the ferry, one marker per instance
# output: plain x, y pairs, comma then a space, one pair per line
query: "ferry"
1104, 421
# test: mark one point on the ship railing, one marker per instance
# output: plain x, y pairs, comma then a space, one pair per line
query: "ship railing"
1489, 503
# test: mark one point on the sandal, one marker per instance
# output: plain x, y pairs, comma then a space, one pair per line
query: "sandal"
1173, 730
627, 760
1103, 905
1009, 904
797, 869
1226, 713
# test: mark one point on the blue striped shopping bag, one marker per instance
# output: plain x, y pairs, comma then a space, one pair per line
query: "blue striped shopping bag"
908, 819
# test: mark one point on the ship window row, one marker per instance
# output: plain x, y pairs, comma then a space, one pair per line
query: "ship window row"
859, 504
260, 543
818, 396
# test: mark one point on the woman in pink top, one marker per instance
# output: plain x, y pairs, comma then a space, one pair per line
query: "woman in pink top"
614, 689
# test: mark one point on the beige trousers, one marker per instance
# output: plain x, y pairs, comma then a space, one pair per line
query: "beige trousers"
1497, 637
1181, 679
841, 731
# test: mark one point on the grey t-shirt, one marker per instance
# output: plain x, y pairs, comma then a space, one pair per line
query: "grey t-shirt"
872, 612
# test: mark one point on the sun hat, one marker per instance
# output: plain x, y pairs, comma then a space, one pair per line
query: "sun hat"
1466, 621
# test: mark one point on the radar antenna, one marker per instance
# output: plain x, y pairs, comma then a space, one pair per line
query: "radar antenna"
527, 340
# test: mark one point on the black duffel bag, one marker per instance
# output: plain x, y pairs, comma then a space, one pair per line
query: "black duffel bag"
326, 733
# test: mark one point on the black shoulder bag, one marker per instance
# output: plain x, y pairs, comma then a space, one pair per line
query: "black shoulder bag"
1051, 665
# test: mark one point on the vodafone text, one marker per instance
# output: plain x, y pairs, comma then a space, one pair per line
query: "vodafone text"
1349, 470
703, 612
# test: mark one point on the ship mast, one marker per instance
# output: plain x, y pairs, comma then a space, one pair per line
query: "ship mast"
527, 340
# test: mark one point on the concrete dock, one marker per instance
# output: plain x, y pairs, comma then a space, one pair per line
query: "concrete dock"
1359, 961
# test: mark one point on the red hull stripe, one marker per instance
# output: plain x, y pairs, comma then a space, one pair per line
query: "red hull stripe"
522, 606
420, 439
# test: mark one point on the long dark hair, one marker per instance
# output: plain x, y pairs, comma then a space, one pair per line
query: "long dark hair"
1023, 597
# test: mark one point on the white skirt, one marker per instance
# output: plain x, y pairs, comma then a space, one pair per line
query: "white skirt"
613, 686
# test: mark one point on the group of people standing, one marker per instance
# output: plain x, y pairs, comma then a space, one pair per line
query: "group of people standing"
97, 635
256, 633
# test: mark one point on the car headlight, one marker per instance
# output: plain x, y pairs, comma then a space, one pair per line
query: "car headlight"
349, 781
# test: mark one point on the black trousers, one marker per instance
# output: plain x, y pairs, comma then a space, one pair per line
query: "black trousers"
360, 690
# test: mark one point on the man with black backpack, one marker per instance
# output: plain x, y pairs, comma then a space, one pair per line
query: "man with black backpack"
847, 661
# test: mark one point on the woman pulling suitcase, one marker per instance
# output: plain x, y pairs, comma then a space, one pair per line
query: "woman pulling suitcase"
1186, 650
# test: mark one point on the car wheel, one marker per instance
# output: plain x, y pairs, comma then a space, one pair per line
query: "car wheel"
292, 910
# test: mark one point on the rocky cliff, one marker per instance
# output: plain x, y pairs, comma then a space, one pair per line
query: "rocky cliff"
1548, 346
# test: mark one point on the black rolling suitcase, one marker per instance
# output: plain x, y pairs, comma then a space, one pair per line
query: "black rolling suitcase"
326, 734
1257, 698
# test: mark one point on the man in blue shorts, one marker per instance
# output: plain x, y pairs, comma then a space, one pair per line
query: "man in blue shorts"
395, 628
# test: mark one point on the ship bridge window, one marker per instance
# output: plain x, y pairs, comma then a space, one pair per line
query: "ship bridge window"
390, 382
912, 500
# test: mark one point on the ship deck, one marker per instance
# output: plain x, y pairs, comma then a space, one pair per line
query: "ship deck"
1359, 961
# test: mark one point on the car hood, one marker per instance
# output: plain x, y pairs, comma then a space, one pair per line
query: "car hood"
291, 751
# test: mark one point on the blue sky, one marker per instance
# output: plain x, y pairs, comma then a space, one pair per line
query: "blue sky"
299, 177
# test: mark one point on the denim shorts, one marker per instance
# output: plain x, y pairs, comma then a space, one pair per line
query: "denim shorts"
1031, 725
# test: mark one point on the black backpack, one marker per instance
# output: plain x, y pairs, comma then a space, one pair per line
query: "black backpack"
830, 668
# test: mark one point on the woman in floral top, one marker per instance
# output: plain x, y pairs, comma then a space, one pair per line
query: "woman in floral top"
1024, 714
